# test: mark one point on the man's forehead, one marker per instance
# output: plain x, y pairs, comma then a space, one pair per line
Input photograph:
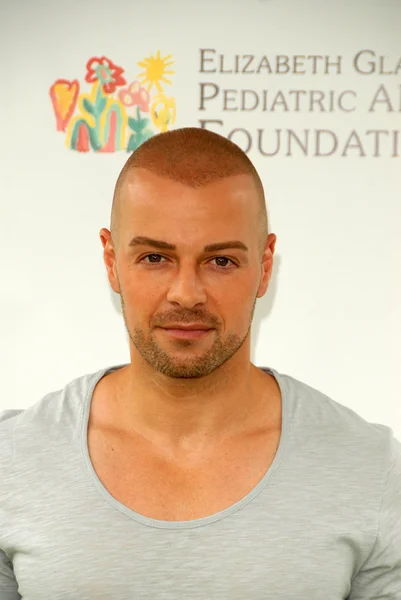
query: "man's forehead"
170, 203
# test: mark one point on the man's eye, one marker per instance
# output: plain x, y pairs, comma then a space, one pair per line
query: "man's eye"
219, 258
147, 256
222, 258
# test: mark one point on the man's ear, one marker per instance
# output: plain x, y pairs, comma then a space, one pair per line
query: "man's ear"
267, 265
109, 258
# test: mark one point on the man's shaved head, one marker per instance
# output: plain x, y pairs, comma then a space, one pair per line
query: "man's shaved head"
193, 157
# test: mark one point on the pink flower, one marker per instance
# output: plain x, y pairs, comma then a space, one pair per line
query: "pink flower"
135, 95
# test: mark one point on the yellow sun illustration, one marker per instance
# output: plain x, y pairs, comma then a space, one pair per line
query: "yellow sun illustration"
155, 69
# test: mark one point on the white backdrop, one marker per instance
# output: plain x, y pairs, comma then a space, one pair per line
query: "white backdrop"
331, 316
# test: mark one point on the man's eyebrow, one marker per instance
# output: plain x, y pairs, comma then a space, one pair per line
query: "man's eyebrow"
141, 240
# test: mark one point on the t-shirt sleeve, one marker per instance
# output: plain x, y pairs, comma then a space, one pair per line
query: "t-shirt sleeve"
380, 576
8, 583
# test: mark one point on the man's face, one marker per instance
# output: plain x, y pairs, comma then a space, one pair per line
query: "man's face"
164, 287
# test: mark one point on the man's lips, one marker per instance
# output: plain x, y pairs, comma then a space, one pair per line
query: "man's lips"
186, 333
187, 326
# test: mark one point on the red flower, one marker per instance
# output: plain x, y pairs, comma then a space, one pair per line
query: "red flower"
103, 70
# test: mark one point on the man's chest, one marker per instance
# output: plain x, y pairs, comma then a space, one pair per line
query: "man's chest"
156, 486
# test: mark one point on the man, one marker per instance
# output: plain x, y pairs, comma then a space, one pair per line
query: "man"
190, 473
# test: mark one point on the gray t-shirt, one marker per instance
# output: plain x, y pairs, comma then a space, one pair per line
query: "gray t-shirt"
324, 523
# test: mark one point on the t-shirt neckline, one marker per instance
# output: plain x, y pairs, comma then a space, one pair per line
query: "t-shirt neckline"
162, 524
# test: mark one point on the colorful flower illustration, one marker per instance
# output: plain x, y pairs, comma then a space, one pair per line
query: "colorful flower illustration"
163, 112
103, 70
135, 95
141, 131
104, 122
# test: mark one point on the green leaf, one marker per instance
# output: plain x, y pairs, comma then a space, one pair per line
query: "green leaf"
138, 125
133, 123
88, 106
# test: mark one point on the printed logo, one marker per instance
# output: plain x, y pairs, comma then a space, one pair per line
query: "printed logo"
115, 115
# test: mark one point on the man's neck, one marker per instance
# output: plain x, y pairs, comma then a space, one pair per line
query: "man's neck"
195, 419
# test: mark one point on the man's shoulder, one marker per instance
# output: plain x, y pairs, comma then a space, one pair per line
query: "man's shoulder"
33, 425
316, 416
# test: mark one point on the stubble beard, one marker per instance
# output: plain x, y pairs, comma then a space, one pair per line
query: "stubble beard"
174, 364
